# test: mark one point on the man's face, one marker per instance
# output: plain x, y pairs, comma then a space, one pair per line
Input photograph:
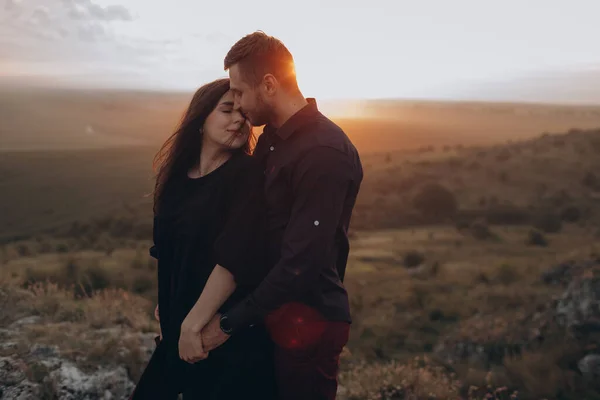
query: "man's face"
249, 98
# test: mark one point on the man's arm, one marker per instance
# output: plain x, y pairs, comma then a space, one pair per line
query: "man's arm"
320, 184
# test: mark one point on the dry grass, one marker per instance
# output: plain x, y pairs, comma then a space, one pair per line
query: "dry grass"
464, 289
479, 292
66, 186
102, 329
75, 253
418, 379
87, 271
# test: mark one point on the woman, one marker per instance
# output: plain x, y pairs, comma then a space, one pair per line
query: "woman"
208, 239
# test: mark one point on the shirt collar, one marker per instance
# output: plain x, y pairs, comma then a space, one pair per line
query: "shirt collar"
296, 121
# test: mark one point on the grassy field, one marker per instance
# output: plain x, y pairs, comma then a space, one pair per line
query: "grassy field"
460, 288
463, 209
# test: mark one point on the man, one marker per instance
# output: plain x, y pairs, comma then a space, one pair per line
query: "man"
313, 174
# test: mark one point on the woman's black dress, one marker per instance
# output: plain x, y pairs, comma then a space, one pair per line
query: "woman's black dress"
215, 219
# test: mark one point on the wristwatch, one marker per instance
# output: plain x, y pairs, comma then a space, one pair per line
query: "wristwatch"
224, 324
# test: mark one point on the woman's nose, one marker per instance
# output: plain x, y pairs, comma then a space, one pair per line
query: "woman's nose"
238, 118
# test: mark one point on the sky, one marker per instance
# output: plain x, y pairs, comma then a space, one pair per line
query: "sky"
517, 50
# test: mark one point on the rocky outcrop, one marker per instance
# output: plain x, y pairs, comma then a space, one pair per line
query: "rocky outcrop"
579, 307
70, 383
486, 341
590, 367
483, 341
43, 373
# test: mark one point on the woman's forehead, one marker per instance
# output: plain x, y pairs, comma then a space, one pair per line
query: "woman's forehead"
227, 97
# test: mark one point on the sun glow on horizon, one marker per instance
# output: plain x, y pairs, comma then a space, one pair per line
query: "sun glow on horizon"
343, 49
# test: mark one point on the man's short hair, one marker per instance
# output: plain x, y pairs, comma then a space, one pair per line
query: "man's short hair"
258, 54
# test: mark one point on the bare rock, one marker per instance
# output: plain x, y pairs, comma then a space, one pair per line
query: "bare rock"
25, 390
579, 307
33, 319
13, 383
590, 366
71, 383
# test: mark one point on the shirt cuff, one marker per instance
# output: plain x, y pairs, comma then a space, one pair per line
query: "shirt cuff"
244, 314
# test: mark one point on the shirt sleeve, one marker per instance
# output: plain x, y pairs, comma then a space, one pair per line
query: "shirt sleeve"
240, 246
320, 183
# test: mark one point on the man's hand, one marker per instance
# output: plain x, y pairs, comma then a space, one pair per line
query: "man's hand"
191, 348
212, 335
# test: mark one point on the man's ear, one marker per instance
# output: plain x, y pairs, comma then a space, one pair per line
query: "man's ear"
270, 84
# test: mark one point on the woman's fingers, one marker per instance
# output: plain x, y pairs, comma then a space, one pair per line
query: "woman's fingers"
190, 348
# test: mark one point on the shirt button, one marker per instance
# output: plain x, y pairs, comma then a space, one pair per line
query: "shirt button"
316, 223
272, 148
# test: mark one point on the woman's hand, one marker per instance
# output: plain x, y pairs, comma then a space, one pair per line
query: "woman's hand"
191, 348
220, 285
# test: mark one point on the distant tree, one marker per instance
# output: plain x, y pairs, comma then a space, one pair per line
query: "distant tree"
435, 200
413, 259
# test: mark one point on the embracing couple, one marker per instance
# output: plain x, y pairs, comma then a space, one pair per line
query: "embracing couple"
251, 239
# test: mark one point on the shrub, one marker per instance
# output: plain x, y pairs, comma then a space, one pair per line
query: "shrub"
24, 250
537, 238
591, 181
507, 274
548, 222
142, 284
71, 270
480, 230
461, 224
434, 200
506, 215
413, 259
98, 278
35, 276
62, 248
570, 214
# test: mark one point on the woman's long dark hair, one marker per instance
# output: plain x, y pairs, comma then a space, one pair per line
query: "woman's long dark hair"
181, 151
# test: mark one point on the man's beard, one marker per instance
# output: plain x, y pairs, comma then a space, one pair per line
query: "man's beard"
262, 115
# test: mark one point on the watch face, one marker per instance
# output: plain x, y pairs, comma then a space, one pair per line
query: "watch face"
225, 325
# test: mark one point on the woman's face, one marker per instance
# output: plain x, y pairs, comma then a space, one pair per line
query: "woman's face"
225, 126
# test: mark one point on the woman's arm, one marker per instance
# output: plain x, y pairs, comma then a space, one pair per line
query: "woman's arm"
218, 288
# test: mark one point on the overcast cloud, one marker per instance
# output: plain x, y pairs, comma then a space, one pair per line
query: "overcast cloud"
343, 48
